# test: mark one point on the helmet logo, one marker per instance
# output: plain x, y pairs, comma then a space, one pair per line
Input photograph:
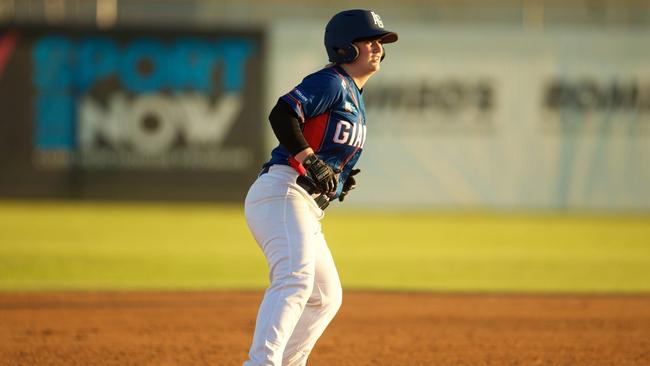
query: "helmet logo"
377, 19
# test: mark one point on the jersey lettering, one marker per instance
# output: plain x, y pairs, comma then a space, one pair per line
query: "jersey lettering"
350, 134
361, 137
342, 132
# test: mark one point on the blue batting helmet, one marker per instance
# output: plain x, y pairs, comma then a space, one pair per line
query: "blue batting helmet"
350, 26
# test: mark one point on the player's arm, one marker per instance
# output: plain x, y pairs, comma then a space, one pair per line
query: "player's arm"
301, 156
286, 127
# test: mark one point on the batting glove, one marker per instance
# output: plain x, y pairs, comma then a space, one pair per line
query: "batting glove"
321, 174
349, 184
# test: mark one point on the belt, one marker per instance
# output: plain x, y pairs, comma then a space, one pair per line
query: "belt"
321, 199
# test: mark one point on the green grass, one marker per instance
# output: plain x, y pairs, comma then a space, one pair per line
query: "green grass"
96, 246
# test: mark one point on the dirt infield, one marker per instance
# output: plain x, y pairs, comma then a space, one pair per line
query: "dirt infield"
391, 329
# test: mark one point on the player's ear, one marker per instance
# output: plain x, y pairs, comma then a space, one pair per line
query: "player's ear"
348, 54
383, 53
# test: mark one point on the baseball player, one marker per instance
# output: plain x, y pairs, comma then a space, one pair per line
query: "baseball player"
321, 127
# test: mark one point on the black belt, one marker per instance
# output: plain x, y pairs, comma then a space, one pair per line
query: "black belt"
321, 199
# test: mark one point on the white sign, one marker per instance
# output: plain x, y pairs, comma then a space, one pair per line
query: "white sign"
496, 117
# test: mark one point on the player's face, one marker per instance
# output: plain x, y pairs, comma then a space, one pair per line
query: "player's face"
369, 55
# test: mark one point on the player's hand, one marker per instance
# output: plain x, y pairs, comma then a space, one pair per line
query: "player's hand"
349, 184
323, 176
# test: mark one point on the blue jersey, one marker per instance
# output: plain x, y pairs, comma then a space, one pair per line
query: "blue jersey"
333, 120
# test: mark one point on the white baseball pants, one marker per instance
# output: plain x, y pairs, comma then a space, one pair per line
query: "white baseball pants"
305, 291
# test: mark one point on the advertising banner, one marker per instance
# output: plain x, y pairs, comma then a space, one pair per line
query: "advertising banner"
138, 113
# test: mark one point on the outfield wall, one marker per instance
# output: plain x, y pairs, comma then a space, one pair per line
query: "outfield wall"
497, 117
462, 117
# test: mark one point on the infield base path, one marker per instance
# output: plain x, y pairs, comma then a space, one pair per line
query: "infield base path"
372, 328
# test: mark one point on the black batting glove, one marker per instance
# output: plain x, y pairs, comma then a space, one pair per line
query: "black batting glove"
349, 184
323, 176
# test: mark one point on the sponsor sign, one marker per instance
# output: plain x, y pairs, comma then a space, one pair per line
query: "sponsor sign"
136, 101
